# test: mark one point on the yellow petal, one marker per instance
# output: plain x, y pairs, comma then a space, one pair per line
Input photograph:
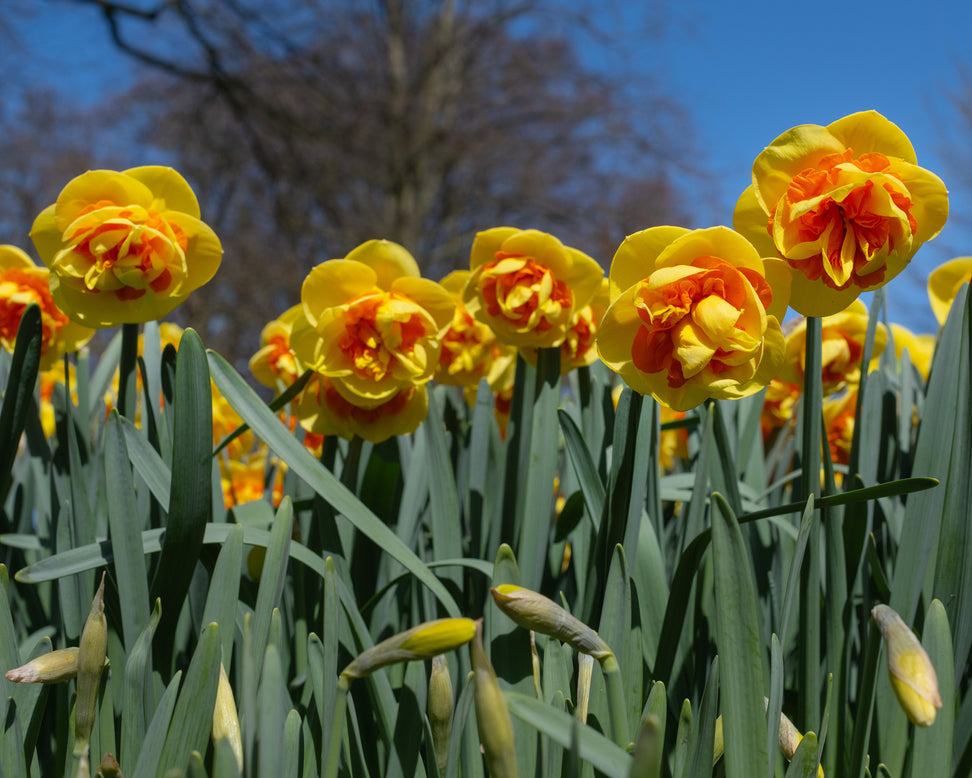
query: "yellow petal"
169, 189
389, 260
869, 131
635, 258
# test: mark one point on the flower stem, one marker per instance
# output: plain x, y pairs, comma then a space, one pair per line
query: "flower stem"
333, 754
127, 366
615, 698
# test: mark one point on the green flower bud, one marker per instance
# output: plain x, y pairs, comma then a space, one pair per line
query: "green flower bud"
492, 715
422, 642
91, 661
912, 675
440, 704
533, 611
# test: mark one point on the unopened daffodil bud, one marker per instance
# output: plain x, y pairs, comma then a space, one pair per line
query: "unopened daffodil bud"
790, 738
440, 705
912, 675
52, 667
492, 715
422, 642
91, 661
533, 611
226, 722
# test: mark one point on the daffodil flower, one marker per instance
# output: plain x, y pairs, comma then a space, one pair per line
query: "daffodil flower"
846, 205
694, 314
125, 247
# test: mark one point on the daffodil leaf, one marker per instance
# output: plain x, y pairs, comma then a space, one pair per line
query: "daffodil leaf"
19, 392
151, 752
268, 427
737, 639
558, 725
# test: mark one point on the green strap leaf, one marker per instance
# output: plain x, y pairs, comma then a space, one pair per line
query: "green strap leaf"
268, 427
737, 638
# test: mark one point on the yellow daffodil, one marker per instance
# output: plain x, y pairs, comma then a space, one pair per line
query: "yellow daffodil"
526, 285
578, 348
846, 205
371, 324
838, 413
694, 314
274, 364
920, 348
945, 282
842, 347
779, 406
469, 348
125, 246
22, 283
323, 410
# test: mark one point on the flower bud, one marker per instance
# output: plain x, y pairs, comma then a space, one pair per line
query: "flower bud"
440, 706
492, 715
533, 611
421, 642
52, 667
226, 723
91, 661
909, 668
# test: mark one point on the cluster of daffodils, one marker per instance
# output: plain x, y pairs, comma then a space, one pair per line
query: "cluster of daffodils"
683, 316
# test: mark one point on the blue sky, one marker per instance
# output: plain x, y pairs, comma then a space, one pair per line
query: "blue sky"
745, 70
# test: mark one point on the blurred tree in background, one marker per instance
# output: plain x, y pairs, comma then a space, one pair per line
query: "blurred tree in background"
310, 126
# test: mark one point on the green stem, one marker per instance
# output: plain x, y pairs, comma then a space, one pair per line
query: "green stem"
615, 697
333, 754
126, 371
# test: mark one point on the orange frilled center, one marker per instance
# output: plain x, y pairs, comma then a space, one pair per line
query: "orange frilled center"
850, 212
382, 332
697, 321
127, 249
524, 292
18, 289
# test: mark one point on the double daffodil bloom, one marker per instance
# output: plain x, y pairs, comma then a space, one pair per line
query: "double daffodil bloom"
371, 324
470, 348
846, 205
125, 247
843, 338
526, 285
694, 314
22, 283
274, 363
944, 283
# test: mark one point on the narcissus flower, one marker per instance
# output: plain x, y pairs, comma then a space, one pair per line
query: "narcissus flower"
779, 406
838, 413
125, 247
913, 677
526, 285
920, 348
578, 348
846, 205
694, 314
22, 283
323, 410
842, 347
274, 365
944, 283
469, 347
371, 324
